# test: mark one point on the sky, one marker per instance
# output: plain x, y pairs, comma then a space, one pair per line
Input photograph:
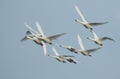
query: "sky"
25, 60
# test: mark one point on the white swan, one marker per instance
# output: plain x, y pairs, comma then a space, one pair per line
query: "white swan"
84, 22
83, 50
98, 40
35, 37
47, 39
62, 58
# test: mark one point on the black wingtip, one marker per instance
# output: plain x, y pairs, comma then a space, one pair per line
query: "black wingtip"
106, 22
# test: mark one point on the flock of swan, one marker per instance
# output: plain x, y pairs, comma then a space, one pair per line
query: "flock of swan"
41, 39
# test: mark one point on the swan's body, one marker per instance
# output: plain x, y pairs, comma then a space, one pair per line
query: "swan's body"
48, 39
86, 24
98, 40
63, 58
83, 50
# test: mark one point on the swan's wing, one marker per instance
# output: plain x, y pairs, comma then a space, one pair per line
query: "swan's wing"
39, 28
55, 51
107, 38
55, 36
71, 60
93, 50
96, 24
32, 30
80, 42
44, 48
80, 13
94, 34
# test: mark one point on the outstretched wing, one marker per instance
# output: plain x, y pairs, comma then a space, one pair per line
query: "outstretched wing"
32, 30
55, 36
80, 13
80, 42
96, 24
93, 50
39, 28
107, 38
44, 48
94, 34
55, 51
71, 60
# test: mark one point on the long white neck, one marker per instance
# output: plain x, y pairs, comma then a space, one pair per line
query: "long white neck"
51, 56
77, 20
89, 38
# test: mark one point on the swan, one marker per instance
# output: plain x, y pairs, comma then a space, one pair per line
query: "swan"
62, 58
47, 39
86, 24
70, 48
83, 50
98, 40
35, 37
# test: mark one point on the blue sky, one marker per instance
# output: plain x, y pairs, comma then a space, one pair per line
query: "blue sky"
25, 60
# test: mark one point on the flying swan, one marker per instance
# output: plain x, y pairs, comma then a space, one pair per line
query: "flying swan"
83, 50
62, 58
98, 40
34, 36
86, 24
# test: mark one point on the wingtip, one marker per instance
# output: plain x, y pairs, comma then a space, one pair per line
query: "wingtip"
65, 33
114, 40
106, 22
36, 22
25, 23
75, 5
99, 48
78, 35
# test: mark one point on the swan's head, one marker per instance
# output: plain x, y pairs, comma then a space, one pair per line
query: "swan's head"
28, 33
48, 54
77, 20
61, 45
81, 22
